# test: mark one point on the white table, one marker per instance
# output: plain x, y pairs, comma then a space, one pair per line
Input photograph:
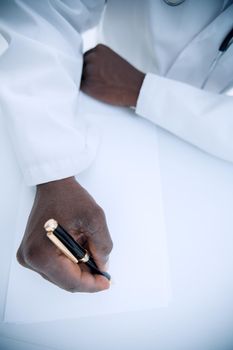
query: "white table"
198, 197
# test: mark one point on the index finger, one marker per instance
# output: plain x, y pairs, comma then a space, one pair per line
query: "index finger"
74, 277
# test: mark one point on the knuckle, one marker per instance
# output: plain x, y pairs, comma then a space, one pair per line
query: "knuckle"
31, 255
97, 215
90, 56
98, 221
98, 225
20, 257
110, 246
100, 47
106, 248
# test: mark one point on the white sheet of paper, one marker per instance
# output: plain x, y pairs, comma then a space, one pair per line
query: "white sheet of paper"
125, 180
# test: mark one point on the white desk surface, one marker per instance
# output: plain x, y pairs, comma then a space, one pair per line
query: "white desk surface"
198, 199
120, 165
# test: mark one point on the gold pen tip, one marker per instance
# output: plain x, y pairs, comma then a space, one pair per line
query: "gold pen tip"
50, 225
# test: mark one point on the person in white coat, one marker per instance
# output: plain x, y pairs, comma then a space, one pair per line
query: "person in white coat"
156, 58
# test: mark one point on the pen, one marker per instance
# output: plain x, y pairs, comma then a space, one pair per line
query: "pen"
72, 249
228, 40
225, 44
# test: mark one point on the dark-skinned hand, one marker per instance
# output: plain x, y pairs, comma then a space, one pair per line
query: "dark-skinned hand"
110, 78
72, 206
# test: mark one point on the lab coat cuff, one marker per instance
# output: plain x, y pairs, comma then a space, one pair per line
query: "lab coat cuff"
147, 98
59, 168
55, 170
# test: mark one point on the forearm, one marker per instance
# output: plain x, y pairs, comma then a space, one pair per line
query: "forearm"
199, 117
40, 73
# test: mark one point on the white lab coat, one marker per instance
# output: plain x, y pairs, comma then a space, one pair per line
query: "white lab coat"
41, 68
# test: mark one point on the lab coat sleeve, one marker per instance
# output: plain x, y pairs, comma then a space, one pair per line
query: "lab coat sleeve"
202, 118
39, 86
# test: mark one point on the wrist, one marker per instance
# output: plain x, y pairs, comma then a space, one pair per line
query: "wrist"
136, 87
56, 184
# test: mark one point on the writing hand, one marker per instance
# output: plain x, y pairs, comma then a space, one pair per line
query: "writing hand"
73, 207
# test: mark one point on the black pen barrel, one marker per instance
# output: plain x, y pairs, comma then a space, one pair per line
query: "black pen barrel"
77, 250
